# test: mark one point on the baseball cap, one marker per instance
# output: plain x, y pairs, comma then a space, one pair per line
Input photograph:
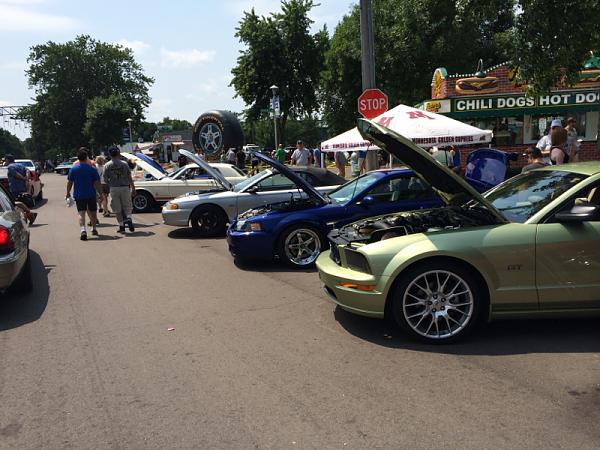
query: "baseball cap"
298, 141
113, 151
556, 123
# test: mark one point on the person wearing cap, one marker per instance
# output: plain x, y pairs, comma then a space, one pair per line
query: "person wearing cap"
17, 183
117, 175
85, 181
545, 143
535, 159
301, 155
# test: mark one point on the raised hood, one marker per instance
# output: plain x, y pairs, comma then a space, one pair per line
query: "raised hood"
284, 170
215, 174
149, 168
451, 188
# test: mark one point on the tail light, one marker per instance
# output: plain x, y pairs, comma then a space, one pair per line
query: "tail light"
6, 243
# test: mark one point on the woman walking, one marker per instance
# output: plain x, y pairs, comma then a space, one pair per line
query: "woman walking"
103, 196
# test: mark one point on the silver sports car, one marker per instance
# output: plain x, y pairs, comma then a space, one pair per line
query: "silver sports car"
210, 212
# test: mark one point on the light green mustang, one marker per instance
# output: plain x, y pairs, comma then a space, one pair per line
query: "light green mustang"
528, 248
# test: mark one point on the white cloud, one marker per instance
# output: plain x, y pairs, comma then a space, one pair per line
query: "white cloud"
13, 65
138, 47
185, 58
17, 17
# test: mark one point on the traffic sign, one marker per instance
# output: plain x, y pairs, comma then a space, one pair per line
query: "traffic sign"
372, 103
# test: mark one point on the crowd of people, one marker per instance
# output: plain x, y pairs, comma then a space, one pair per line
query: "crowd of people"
93, 181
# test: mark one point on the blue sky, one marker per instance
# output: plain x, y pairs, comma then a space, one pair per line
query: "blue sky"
188, 46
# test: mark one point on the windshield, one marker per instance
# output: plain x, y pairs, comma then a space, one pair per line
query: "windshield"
176, 172
524, 195
243, 184
346, 192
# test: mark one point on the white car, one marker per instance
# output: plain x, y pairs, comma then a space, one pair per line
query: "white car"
209, 213
34, 184
155, 186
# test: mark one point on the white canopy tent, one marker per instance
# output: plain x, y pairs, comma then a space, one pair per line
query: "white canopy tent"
424, 128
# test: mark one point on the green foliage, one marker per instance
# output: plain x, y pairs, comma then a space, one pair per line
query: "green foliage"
280, 50
144, 130
175, 124
412, 38
553, 39
9, 143
105, 117
309, 130
66, 77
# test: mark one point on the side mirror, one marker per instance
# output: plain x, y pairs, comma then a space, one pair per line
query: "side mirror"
578, 214
252, 189
367, 201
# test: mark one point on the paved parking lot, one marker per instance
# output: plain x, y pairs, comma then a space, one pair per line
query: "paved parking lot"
258, 358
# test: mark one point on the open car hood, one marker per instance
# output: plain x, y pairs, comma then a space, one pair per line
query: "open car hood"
284, 170
149, 168
449, 186
215, 174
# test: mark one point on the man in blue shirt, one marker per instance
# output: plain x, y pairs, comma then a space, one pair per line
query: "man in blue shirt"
17, 182
84, 176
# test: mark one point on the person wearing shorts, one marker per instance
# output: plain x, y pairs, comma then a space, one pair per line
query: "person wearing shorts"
117, 175
85, 181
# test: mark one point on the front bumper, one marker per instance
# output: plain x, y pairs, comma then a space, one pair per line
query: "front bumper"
250, 245
370, 304
176, 217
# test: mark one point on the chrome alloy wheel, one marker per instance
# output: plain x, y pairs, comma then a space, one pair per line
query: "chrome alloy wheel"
140, 202
302, 246
438, 304
211, 138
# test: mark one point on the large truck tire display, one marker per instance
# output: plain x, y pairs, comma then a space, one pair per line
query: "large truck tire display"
217, 131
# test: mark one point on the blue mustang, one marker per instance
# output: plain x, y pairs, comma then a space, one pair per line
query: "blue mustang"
294, 231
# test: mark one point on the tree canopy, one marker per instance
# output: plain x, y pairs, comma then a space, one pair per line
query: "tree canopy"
67, 77
9, 143
280, 50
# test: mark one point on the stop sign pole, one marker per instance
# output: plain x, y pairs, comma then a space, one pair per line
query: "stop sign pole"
368, 62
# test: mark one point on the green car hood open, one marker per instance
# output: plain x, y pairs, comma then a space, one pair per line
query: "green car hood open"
449, 186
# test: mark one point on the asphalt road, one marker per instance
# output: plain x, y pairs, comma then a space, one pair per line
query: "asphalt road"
258, 358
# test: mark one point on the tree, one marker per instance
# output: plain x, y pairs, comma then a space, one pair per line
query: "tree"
66, 77
281, 51
9, 143
175, 124
105, 117
411, 39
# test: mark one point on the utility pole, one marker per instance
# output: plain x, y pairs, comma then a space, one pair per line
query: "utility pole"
368, 63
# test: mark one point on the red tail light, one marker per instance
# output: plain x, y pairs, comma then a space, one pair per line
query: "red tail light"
6, 243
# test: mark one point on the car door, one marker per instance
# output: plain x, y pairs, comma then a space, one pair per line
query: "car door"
405, 192
192, 179
272, 189
568, 258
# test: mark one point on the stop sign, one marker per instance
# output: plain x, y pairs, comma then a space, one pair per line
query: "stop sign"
372, 103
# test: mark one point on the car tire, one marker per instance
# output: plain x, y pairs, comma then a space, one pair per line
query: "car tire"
143, 202
209, 221
23, 283
298, 241
216, 131
437, 302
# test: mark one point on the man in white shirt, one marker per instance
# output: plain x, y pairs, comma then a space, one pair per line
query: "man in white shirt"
301, 155
545, 143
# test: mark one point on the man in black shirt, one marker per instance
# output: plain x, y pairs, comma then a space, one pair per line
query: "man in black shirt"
535, 159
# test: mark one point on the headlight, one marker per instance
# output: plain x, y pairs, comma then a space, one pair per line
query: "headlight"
244, 226
357, 261
171, 206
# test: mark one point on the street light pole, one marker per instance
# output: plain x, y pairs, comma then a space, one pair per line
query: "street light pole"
130, 134
275, 111
367, 63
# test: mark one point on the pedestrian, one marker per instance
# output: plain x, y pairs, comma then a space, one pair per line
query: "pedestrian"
230, 156
558, 152
340, 163
85, 181
103, 197
117, 175
181, 160
17, 183
545, 143
535, 159
301, 155
572, 136
318, 156
354, 164
240, 158
280, 154
443, 156
254, 163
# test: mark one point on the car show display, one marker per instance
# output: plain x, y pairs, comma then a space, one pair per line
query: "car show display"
527, 248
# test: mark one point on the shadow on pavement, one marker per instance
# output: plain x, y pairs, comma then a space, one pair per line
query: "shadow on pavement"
507, 337
19, 309
40, 203
268, 266
189, 233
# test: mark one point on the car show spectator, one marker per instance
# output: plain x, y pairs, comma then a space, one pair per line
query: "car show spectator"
545, 143
117, 175
83, 178
443, 156
572, 143
301, 156
340, 163
280, 154
17, 182
103, 196
535, 159
230, 156
240, 159
558, 152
